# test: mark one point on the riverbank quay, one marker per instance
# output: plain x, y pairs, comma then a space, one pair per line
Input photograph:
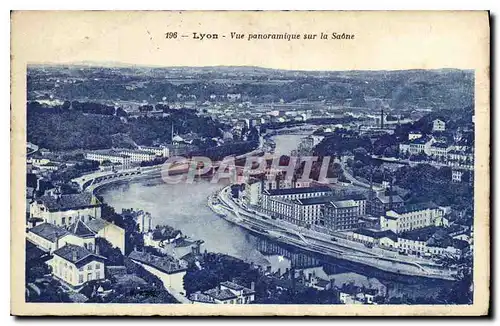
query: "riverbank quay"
335, 244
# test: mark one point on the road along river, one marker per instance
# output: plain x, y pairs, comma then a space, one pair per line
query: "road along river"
184, 206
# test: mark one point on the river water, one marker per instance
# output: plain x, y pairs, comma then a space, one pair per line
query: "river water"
184, 207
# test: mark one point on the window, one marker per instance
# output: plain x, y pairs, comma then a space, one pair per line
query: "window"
89, 267
80, 278
63, 221
98, 275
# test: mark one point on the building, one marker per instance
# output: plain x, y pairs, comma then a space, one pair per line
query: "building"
109, 231
158, 151
464, 157
438, 150
144, 222
413, 217
253, 192
429, 241
137, 156
352, 294
359, 200
456, 175
314, 206
75, 265
123, 160
416, 146
46, 236
414, 135
225, 293
294, 193
81, 235
63, 210
383, 202
308, 211
341, 214
438, 125
381, 238
169, 270
280, 203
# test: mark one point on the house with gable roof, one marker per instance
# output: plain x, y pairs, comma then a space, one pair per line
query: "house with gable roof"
64, 210
50, 237
75, 265
98, 227
225, 293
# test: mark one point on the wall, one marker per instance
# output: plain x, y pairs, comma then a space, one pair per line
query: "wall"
39, 210
115, 235
170, 281
70, 274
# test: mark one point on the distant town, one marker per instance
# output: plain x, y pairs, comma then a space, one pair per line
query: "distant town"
386, 204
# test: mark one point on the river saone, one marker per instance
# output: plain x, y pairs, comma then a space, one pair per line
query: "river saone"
184, 206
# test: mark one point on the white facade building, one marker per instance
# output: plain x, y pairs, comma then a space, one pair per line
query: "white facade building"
158, 151
63, 210
438, 125
76, 265
124, 160
412, 217
138, 155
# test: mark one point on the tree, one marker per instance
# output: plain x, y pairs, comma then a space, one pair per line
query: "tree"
106, 249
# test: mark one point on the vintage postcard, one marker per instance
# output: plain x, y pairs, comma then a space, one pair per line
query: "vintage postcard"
250, 163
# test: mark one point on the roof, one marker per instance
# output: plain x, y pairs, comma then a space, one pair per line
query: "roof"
322, 283
97, 224
376, 234
313, 201
183, 242
166, 264
67, 202
344, 203
422, 234
201, 297
81, 229
440, 145
75, 254
237, 287
353, 196
110, 154
385, 199
292, 191
135, 151
389, 217
220, 294
49, 231
233, 286
421, 140
415, 207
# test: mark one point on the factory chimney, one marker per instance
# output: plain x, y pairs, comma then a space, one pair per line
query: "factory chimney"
381, 117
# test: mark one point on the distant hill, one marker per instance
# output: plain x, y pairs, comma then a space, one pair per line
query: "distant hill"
440, 89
